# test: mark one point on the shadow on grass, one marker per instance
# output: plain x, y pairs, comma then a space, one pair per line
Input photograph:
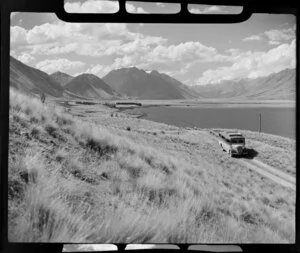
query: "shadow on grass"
251, 153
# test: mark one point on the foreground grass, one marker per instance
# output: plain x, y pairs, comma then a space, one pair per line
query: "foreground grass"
75, 181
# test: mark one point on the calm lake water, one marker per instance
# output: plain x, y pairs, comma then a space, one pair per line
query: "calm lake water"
275, 120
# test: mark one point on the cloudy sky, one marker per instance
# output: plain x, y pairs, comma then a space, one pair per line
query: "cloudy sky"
195, 54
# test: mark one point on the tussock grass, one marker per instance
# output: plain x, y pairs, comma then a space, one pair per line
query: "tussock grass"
77, 181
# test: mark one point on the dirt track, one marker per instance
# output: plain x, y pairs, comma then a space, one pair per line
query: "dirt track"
266, 170
270, 172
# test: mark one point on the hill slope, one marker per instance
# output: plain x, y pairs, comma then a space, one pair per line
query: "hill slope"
280, 85
61, 78
135, 82
90, 86
86, 182
31, 80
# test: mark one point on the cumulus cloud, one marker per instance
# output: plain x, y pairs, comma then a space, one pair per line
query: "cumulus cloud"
191, 50
97, 247
129, 48
69, 32
17, 35
44, 33
92, 7
53, 32
13, 14
51, 66
179, 57
141, 44
99, 6
275, 36
25, 57
206, 10
99, 70
281, 35
252, 37
82, 39
13, 53
160, 4
53, 48
273, 42
132, 9
125, 48
256, 64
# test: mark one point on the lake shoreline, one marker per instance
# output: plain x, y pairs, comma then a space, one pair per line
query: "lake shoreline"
274, 119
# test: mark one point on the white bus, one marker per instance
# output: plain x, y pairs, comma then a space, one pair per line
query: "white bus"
233, 143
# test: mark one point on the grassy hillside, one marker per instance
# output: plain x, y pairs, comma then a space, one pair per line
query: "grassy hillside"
73, 180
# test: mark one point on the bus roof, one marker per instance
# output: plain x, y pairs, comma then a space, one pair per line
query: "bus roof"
230, 135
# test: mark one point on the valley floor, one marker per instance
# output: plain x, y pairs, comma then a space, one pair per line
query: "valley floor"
92, 174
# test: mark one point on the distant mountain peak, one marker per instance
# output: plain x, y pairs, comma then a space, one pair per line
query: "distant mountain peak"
61, 77
154, 72
89, 85
60, 73
146, 84
89, 76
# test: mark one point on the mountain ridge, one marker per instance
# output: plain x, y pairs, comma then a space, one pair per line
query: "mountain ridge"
61, 77
280, 85
89, 85
150, 84
32, 80
136, 82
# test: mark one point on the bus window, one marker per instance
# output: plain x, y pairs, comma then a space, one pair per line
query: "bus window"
238, 140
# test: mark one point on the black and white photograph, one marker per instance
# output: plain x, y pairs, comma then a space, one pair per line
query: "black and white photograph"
152, 133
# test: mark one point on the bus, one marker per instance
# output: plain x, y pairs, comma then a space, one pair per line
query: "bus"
233, 143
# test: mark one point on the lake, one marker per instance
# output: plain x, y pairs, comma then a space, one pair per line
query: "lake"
275, 120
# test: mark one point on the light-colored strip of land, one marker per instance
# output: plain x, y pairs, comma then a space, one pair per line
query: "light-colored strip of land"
261, 170
266, 170
274, 171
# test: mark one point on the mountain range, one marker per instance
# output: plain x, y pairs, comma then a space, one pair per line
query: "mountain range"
137, 83
140, 84
281, 85
90, 86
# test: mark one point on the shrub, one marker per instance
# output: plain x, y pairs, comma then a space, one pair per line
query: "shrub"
34, 119
63, 120
15, 188
50, 129
128, 128
29, 176
35, 132
102, 147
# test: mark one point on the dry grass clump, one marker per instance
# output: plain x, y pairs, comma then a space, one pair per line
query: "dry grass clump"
37, 111
76, 181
